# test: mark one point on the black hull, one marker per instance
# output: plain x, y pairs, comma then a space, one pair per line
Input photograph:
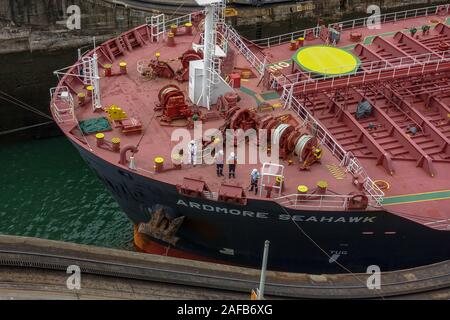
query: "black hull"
236, 234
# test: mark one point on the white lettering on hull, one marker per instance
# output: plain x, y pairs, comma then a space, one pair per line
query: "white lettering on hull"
264, 215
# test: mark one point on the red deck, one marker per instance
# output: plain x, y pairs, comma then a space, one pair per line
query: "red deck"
416, 97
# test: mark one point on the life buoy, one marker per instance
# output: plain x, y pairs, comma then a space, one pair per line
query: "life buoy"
382, 184
358, 201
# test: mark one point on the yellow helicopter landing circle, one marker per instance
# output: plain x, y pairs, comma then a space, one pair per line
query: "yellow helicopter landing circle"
326, 60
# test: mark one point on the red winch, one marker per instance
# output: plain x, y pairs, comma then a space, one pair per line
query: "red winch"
227, 102
173, 104
188, 56
291, 138
237, 118
159, 69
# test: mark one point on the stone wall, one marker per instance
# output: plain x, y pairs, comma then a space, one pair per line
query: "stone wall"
329, 9
28, 25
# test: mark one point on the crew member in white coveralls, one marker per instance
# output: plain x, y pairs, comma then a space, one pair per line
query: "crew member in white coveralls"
218, 158
192, 148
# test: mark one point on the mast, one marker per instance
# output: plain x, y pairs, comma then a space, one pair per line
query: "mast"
209, 47
214, 16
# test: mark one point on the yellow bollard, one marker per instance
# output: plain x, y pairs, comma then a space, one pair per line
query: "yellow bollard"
159, 164
123, 67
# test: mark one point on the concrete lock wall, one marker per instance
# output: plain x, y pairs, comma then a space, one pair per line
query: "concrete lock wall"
28, 25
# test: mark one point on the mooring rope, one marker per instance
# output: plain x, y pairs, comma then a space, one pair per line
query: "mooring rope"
24, 128
23, 105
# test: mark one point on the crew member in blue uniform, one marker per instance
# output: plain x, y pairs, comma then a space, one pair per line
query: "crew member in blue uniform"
254, 179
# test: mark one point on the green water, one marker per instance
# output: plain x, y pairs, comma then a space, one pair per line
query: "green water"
47, 191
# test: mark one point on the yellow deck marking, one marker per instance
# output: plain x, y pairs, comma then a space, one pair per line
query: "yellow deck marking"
326, 60
413, 201
417, 197
337, 172
419, 193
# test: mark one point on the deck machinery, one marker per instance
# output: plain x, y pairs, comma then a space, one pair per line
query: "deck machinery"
351, 136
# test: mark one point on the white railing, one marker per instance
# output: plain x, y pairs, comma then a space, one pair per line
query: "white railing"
388, 69
313, 201
286, 38
345, 158
322, 135
391, 17
159, 25
439, 224
211, 195
232, 36
179, 21
351, 24
228, 33
221, 41
62, 105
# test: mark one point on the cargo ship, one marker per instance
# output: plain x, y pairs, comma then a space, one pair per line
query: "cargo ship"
350, 123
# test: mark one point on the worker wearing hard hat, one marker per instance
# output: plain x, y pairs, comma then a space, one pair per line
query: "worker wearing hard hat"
218, 158
192, 148
232, 161
254, 179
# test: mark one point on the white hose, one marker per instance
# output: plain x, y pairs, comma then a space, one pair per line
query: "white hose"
301, 143
278, 132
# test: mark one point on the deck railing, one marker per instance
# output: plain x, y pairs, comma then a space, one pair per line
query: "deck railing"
373, 71
233, 36
313, 201
392, 17
211, 195
62, 105
164, 24
159, 27
286, 37
352, 24
346, 159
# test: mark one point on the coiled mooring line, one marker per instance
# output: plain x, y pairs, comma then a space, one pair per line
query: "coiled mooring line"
301, 143
278, 132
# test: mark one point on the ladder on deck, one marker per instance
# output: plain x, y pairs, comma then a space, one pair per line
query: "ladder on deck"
91, 78
215, 62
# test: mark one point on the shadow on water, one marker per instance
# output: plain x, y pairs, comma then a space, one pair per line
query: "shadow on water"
28, 76
46, 189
